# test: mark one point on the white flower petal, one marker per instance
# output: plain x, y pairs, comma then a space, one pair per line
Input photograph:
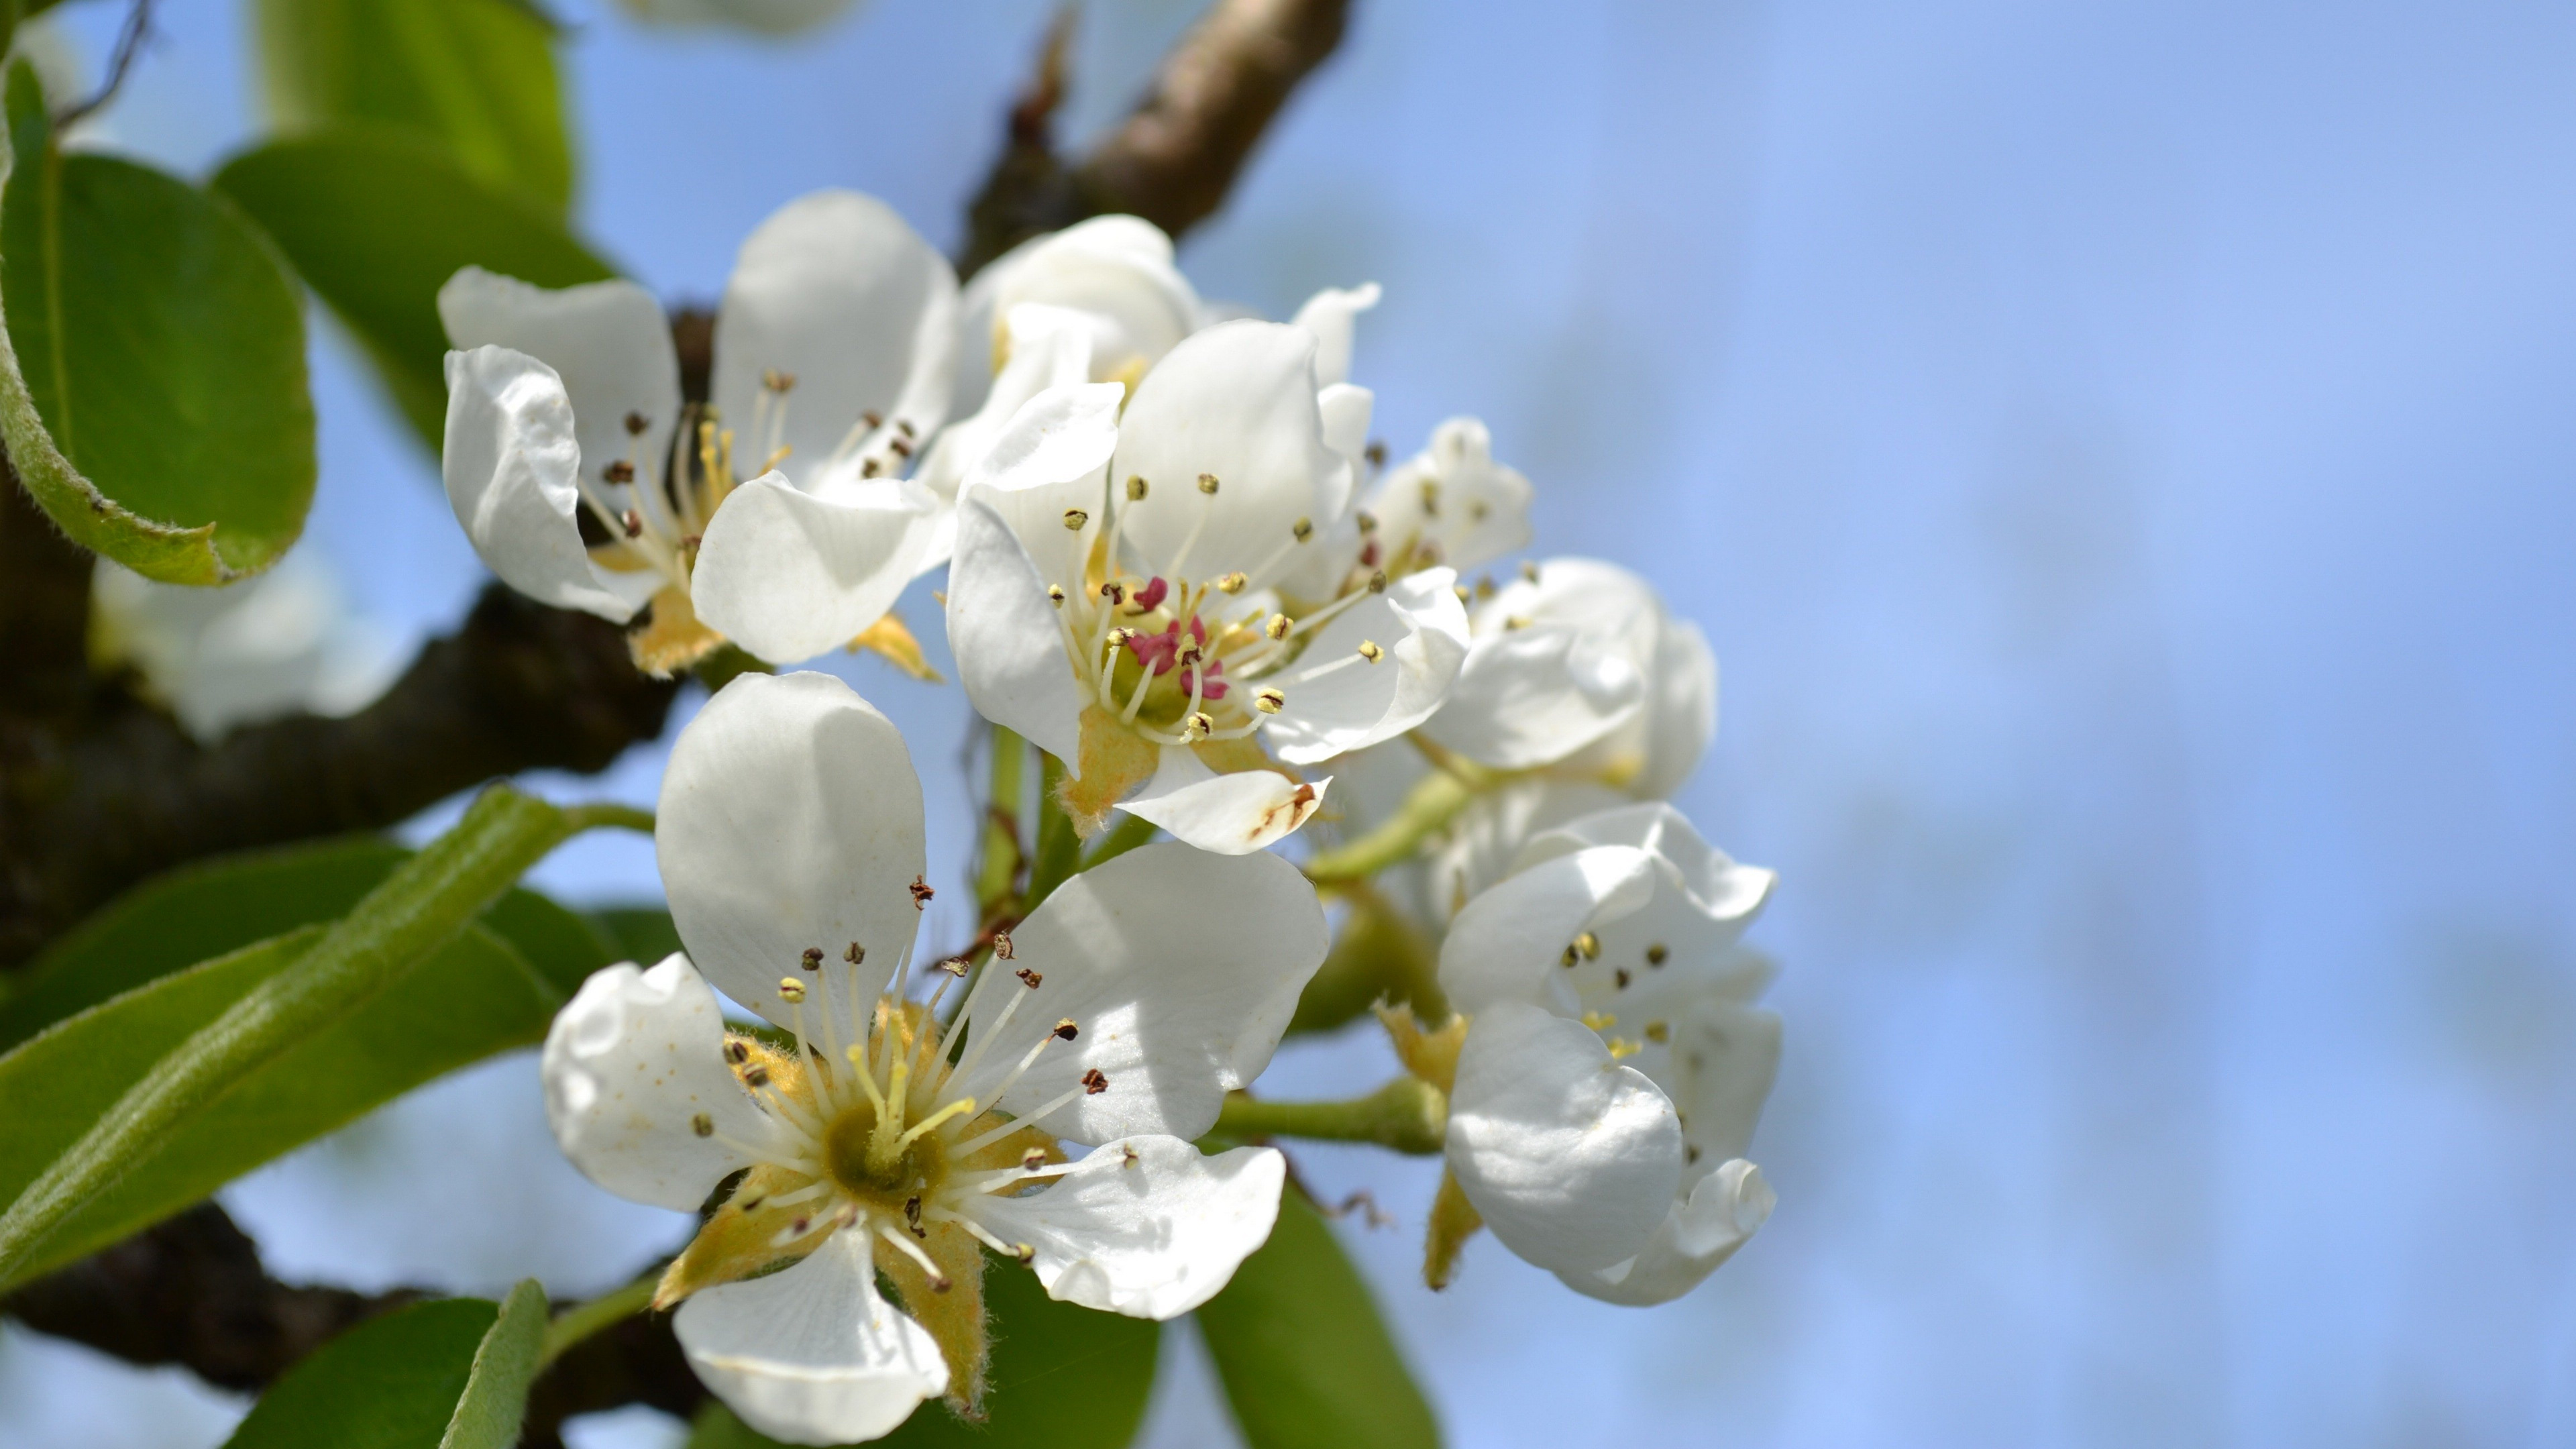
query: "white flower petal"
1716, 885
1571, 1158
789, 575
608, 341
1235, 403
1718, 1070
1345, 411
1726, 1208
1050, 348
1045, 460
791, 819
835, 290
1504, 944
1225, 814
630, 1063
1456, 498
1146, 1226
1533, 696
1007, 638
1484, 843
812, 1355
1115, 272
1330, 314
1680, 718
1334, 705
509, 461
1179, 969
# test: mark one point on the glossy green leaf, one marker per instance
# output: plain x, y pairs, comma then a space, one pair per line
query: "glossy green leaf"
448, 1374
642, 934
152, 388
474, 77
474, 997
210, 907
1062, 1377
1306, 1361
375, 221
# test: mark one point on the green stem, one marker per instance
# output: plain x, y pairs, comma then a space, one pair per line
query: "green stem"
579, 818
1000, 863
420, 907
1407, 1114
1434, 801
604, 1312
1059, 849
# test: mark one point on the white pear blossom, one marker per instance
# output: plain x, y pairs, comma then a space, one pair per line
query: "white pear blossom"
1451, 503
1613, 1066
279, 643
832, 358
1130, 621
890, 1135
1112, 275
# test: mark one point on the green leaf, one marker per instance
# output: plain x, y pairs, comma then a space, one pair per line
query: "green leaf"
1306, 1361
1062, 1377
449, 1374
473, 77
495, 1400
152, 388
376, 221
209, 907
641, 934
474, 997
201, 1067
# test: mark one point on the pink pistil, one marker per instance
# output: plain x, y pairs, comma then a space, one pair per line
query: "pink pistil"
1159, 652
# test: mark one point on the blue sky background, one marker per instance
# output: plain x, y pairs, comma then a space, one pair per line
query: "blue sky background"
2122, 456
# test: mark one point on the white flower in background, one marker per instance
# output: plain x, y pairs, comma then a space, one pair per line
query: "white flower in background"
832, 364
768, 17
1450, 504
1112, 274
280, 643
1130, 622
1119, 1013
1612, 1070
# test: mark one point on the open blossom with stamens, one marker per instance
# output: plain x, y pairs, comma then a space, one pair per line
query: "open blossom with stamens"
1115, 595
898, 1129
1613, 1067
832, 362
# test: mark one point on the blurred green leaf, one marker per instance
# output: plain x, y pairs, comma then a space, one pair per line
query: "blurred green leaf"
375, 221
450, 1374
641, 934
474, 77
1062, 1377
209, 907
152, 393
1306, 1361
472, 998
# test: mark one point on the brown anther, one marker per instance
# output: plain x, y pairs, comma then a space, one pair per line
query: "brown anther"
1001, 945
1689, 1153
1375, 453
1366, 520
636, 423
1619, 978
921, 893
1303, 529
620, 471
1370, 652
633, 523
1269, 701
703, 1125
691, 541
755, 1076
799, 1227
736, 1052
1207, 483
813, 958
776, 381
855, 954
1066, 1030
1478, 510
1030, 979
900, 447
1657, 954
1093, 1083
1529, 571
912, 1212
1198, 726
1590, 945
1569, 958
1114, 591
872, 418
1131, 1159
1055, 595
792, 989
955, 966
1659, 1031
1277, 626
1137, 488
1377, 581
904, 426
751, 1204
869, 468
1233, 583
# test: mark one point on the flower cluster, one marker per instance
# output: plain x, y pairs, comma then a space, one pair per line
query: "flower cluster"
1177, 565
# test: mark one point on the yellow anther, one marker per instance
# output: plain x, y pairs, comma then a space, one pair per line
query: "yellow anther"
1366, 520
1516, 621
1659, 1032
1055, 595
1075, 518
1277, 626
1599, 1020
1529, 571
776, 381
1590, 945
1657, 954
1233, 583
1303, 528
792, 989
1269, 701
1370, 652
1198, 726
703, 1125
1430, 498
1137, 488
1622, 1047
1207, 483
1377, 581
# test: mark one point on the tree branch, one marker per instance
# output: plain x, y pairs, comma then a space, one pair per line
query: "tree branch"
1177, 155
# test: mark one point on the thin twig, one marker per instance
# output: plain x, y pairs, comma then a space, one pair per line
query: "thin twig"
129, 43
